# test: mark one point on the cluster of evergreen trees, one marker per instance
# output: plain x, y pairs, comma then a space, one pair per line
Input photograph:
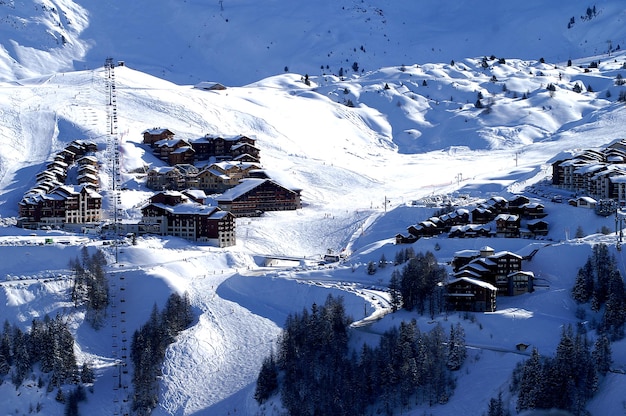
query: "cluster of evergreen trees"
90, 285
567, 380
48, 343
416, 286
317, 374
600, 283
148, 346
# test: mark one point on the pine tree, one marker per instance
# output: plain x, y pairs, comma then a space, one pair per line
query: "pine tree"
602, 354
531, 383
456, 347
87, 375
394, 291
583, 286
496, 407
267, 381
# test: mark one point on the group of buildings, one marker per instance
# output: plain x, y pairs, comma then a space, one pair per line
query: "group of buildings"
596, 173
495, 217
51, 202
66, 194
479, 276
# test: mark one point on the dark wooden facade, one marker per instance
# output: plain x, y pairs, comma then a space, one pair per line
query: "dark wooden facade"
252, 197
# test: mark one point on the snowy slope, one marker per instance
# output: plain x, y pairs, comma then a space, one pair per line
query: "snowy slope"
401, 144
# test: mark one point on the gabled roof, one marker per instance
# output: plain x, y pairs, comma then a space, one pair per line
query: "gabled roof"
186, 208
505, 253
245, 186
156, 131
475, 282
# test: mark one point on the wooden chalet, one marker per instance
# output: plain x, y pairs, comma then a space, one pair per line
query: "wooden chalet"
469, 231
424, 229
583, 201
254, 196
538, 227
151, 136
468, 294
507, 225
482, 214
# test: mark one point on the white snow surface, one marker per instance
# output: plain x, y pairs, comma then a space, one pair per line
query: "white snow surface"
360, 169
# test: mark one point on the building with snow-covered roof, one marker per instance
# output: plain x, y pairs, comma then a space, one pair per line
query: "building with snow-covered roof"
65, 204
153, 135
173, 213
488, 266
254, 196
469, 294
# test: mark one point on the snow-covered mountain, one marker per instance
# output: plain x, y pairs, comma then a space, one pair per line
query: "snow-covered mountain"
241, 41
361, 146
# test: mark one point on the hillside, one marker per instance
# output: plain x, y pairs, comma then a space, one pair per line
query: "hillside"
239, 42
365, 149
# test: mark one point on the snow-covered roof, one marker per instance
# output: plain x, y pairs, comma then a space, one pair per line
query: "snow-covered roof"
476, 282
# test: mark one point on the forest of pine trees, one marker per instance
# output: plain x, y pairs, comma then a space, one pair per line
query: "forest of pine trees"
90, 286
416, 285
49, 344
600, 284
316, 373
147, 350
567, 380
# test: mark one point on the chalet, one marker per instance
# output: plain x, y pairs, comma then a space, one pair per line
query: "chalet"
463, 257
67, 156
583, 201
467, 294
518, 201
532, 210
246, 158
457, 217
498, 204
151, 136
424, 229
402, 239
538, 227
181, 155
196, 195
469, 231
252, 197
210, 86
507, 225
172, 213
80, 148
482, 214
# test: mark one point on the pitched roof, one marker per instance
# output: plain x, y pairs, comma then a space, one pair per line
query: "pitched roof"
473, 282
